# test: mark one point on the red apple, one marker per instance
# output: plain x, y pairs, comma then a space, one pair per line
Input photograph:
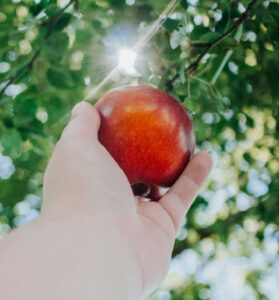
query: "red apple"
149, 134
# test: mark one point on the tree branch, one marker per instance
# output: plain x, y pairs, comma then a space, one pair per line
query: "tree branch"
29, 64
53, 21
210, 45
227, 56
214, 43
21, 72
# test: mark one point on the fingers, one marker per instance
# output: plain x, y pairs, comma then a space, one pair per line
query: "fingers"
181, 195
84, 123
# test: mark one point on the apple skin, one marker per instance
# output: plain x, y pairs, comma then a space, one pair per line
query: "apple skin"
149, 134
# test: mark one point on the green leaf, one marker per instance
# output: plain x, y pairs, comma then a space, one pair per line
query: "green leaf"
3, 36
227, 44
177, 37
222, 24
56, 109
184, 4
274, 8
36, 8
97, 25
77, 77
83, 36
182, 76
247, 157
230, 43
171, 55
60, 78
25, 108
11, 140
209, 37
154, 80
52, 10
40, 145
56, 46
250, 122
63, 22
171, 24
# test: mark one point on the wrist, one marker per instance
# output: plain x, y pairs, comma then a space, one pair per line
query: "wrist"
68, 259
101, 258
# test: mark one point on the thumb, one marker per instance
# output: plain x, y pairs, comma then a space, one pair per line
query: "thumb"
84, 123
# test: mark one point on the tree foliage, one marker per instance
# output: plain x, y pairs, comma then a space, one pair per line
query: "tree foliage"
219, 58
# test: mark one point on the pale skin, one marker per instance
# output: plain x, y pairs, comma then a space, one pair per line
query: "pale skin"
94, 239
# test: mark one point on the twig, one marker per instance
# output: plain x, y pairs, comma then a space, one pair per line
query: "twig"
189, 88
137, 47
210, 45
21, 72
28, 66
214, 43
53, 21
226, 57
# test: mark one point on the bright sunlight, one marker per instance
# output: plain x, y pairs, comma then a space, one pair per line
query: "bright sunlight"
127, 59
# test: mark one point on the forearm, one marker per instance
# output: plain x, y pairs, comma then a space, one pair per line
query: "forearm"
66, 260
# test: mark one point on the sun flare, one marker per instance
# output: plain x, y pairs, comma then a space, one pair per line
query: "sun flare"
127, 58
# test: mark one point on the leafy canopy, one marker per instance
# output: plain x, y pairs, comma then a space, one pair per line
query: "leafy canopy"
219, 58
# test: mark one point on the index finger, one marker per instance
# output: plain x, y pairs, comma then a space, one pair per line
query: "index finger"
84, 123
181, 195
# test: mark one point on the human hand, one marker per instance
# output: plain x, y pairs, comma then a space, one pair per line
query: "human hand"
84, 183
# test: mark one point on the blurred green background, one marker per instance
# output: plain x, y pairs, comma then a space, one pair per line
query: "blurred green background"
53, 53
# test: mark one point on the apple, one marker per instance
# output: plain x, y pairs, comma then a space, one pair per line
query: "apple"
149, 134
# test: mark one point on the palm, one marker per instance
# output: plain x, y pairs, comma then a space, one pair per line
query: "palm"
157, 236
152, 237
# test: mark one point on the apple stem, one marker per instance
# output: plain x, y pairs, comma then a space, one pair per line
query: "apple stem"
155, 193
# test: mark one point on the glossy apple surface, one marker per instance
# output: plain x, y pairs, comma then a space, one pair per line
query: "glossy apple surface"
149, 134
